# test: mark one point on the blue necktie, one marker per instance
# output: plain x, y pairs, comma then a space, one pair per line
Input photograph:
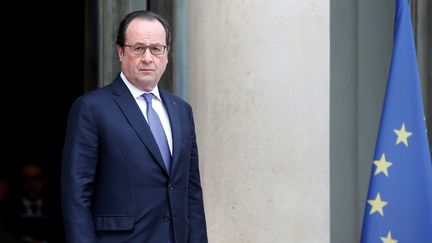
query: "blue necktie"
161, 140
158, 131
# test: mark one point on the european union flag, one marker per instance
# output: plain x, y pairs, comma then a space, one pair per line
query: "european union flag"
399, 202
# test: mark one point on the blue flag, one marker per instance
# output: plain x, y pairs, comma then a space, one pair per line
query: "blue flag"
399, 201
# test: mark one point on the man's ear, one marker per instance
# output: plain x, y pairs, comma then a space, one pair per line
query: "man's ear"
120, 52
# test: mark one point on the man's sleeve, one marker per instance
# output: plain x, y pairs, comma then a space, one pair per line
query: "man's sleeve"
78, 172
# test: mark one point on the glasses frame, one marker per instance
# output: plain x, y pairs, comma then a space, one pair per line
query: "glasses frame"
145, 49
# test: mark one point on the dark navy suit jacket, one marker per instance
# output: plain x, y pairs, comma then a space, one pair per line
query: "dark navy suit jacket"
115, 187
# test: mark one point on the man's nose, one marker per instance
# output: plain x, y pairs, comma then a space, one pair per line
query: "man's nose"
147, 56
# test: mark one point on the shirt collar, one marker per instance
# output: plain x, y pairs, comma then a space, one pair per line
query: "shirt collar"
136, 93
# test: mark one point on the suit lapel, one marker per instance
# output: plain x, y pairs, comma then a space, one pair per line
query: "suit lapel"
173, 114
136, 119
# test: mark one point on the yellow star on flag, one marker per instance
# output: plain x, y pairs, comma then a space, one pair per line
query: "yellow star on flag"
382, 165
402, 135
377, 205
388, 239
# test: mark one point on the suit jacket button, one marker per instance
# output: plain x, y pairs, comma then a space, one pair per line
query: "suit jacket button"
170, 187
166, 218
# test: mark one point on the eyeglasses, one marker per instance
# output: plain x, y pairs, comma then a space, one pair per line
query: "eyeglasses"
139, 50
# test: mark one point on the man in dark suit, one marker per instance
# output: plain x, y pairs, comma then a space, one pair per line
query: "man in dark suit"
119, 183
30, 213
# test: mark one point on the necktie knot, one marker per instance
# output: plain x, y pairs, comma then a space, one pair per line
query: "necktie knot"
148, 97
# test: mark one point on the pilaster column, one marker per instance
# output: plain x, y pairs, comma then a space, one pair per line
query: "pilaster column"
259, 85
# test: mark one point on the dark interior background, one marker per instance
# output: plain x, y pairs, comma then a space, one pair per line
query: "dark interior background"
43, 47
44, 75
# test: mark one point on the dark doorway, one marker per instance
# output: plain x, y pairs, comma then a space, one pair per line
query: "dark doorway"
45, 71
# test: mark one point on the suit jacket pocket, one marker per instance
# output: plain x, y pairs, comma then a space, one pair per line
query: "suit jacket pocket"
114, 222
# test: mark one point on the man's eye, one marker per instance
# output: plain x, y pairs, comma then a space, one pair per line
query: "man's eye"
139, 48
156, 48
